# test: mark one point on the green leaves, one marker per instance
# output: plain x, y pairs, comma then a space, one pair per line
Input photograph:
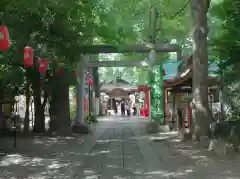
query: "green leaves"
62, 26
225, 39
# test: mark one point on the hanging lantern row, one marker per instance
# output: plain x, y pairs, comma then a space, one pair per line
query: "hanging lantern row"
43, 64
28, 60
4, 38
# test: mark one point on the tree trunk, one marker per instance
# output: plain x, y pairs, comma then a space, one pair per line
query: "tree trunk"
61, 108
26, 119
52, 113
200, 111
2, 124
39, 116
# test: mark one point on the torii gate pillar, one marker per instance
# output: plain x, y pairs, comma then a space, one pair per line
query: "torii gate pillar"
80, 94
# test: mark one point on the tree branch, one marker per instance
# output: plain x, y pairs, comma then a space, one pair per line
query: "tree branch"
178, 12
181, 10
207, 5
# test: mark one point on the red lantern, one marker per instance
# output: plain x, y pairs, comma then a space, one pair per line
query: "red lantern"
43, 64
28, 56
60, 70
4, 38
74, 73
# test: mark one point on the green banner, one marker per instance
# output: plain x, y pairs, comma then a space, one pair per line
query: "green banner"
156, 93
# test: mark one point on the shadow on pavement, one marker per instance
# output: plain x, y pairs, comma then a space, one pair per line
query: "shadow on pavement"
118, 148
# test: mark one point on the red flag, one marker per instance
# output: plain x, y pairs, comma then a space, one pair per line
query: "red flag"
43, 64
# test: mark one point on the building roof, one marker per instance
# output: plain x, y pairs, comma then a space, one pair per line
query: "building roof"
118, 81
118, 88
184, 77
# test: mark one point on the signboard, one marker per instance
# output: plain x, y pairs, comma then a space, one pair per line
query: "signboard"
156, 93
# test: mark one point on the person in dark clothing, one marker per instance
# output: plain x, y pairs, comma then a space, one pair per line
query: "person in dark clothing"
114, 106
127, 109
134, 111
123, 107
180, 118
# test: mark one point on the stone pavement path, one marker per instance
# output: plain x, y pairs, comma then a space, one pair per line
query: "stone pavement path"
118, 148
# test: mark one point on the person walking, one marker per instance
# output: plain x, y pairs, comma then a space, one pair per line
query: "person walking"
180, 118
122, 107
128, 108
115, 106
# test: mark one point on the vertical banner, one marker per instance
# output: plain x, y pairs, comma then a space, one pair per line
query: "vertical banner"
156, 93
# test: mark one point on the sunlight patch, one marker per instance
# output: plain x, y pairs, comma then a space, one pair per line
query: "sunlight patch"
89, 172
56, 165
14, 159
92, 177
176, 140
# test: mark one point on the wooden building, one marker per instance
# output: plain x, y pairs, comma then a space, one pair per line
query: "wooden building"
178, 91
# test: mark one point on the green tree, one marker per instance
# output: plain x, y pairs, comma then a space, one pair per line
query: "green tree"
225, 46
55, 30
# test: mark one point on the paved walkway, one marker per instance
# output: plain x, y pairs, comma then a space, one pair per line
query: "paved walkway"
119, 148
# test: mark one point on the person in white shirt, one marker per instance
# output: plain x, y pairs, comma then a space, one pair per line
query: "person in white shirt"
128, 108
132, 103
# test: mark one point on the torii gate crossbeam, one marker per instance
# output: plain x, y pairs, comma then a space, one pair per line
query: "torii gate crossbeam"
117, 63
123, 63
136, 48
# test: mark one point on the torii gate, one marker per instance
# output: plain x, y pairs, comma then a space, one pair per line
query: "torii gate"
121, 63
152, 48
